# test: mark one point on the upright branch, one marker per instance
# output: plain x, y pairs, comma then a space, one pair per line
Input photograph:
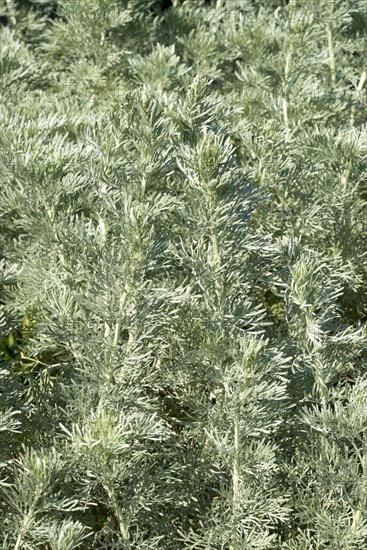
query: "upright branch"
330, 41
288, 58
359, 89
236, 461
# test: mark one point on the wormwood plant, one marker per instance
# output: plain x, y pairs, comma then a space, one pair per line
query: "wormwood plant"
183, 275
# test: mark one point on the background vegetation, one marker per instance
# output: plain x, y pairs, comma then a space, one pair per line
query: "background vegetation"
183, 296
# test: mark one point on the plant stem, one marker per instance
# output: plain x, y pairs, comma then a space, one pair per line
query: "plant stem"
236, 475
118, 322
356, 520
107, 331
217, 263
288, 58
345, 177
236, 461
362, 499
359, 89
329, 32
24, 528
124, 530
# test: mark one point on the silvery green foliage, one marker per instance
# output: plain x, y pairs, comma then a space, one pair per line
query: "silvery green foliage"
183, 275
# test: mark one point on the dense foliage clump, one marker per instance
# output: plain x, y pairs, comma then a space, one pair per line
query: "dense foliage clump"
183, 283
